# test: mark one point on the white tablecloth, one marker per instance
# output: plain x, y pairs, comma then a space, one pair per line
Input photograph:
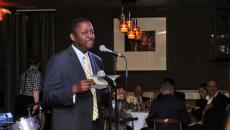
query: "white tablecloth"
140, 123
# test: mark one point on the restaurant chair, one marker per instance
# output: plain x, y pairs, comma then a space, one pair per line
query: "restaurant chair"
165, 121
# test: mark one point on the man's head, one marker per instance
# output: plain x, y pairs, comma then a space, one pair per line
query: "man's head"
34, 60
203, 91
138, 90
82, 34
211, 87
167, 87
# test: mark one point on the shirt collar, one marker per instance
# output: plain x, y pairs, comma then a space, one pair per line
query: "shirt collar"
79, 53
215, 94
210, 98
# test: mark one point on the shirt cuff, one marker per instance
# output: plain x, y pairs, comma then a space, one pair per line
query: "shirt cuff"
74, 98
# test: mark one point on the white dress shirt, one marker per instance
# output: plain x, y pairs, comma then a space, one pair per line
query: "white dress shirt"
209, 99
80, 56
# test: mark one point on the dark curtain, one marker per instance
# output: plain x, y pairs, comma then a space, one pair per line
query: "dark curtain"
21, 35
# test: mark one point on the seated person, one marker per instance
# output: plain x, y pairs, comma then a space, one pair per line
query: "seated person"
200, 103
138, 93
167, 107
215, 109
177, 94
197, 113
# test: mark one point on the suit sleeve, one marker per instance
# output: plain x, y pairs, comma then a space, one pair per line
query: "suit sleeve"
153, 110
54, 91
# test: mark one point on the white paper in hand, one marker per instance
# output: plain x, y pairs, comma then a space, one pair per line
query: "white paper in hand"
100, 83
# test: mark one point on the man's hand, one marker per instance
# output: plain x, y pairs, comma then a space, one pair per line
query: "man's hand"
83, 86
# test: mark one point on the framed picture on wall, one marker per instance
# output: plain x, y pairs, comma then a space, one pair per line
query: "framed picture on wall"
146, 54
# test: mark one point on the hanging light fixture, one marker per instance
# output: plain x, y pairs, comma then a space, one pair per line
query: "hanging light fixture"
129, 26
138, 32
3, 11
123, 25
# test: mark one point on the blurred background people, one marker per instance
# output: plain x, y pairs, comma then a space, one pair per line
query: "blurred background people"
200, 103
214, 111
138, 93
168, 111
175, 93
197, 111
30, 86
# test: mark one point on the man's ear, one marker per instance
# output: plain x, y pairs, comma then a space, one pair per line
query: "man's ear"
72, 37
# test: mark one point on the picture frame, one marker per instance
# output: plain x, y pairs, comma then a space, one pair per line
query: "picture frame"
143, 56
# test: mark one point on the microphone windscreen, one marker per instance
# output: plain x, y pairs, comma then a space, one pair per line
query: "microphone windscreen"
101, 73
102, 48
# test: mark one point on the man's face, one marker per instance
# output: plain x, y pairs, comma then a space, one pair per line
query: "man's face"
83, 36
138, 91
212, 88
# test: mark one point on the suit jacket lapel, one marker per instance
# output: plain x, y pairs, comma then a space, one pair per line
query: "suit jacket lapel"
75, 61
93, 63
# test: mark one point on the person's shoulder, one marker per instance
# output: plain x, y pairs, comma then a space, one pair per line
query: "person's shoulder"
60, 55
179, 93
221, 95
95, 56
175, 99
35, 71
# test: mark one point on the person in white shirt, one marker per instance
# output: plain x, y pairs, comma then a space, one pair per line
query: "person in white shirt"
214, 111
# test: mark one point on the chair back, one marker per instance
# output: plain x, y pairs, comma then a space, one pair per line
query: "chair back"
166, 121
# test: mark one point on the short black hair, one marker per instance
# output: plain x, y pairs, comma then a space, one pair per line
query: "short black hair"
34, 59
169, 81
203, 85
75, 23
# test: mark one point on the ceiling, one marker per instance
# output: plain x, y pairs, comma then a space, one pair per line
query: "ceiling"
107, 3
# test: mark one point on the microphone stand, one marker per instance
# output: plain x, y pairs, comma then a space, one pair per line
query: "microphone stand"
116, 102
110, 108
111, 84
126, 82
117, 111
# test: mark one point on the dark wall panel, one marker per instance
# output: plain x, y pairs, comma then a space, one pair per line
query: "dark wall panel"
188, 42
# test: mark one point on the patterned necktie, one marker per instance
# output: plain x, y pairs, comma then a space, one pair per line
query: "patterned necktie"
93, 91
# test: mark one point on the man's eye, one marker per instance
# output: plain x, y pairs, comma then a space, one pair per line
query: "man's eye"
85, 33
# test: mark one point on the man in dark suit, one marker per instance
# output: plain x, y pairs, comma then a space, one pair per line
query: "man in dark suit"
75, 105
177, 94
168, 110
214, 111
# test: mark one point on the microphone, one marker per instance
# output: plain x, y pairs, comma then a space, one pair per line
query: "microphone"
101, 74
103, 48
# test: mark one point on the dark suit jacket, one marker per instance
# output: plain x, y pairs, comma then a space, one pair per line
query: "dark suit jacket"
168, 106
214, 117
180, 95
63, 71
